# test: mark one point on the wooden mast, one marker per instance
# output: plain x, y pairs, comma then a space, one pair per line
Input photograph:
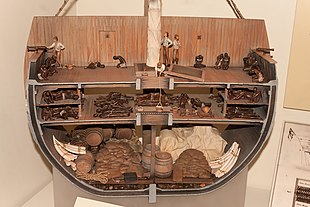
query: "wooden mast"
154, 32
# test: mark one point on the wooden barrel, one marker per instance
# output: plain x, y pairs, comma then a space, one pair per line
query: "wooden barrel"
163, 164
147, 137
94, 138
107, 133
146, 155
123, 133
84, 163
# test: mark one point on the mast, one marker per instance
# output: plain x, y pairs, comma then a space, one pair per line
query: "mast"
154, 32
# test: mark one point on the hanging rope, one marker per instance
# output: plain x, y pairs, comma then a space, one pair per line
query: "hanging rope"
62, 7
235, 9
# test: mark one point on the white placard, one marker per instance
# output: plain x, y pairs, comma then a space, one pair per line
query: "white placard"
292, 179
84, 202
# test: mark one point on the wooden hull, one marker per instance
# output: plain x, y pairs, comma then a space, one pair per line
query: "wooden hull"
251, 134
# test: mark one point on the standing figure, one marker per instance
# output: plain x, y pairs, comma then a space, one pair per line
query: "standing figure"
176, 47
57, 47
166, 43
122, 62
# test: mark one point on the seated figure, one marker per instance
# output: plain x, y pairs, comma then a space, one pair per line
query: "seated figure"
159, 69
198, 62
225, 62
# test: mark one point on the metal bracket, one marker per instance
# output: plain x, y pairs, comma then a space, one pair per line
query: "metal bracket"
152, 193
170, 119
138, 119
171, 83
138, 84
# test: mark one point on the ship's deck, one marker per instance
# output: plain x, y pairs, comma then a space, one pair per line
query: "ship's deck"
113, 75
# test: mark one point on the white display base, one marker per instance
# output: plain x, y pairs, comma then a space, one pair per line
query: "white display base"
232, 194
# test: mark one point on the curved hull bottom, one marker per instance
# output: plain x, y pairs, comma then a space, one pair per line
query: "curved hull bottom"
249, 138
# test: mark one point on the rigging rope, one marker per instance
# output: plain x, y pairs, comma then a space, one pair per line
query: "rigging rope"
62, 7
235, 9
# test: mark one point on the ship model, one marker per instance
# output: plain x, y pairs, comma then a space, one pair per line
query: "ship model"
123, 105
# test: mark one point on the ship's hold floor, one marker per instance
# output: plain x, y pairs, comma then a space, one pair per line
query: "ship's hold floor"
113, 74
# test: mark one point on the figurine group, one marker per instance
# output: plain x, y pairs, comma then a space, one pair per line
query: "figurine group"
121, 64
59, 113
254, 95
222, 61
48, 68
94, 65
59, 95
251, 66
114, 104
57, 47
166, 45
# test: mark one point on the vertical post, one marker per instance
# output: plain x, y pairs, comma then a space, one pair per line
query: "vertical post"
80, 101
146, 7
225, 102
153, 144
154, 33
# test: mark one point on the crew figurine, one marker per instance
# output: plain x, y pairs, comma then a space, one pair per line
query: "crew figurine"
159, 69
166, 44
219, 60
176, 47
198, 62
57, 48
122, 62
226, 61
222, 61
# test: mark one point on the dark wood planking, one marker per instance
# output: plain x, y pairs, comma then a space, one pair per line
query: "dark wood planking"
79, 74
114, 75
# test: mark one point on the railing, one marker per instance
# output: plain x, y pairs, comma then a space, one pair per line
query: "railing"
35, 62
266, 64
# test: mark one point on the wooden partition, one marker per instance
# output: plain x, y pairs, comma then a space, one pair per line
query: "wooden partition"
99, 38
212, 36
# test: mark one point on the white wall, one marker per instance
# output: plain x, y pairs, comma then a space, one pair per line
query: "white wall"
110, 8
23, 170
279, 17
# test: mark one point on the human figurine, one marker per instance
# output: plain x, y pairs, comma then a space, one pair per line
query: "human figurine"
222, 61
225, 61
198, 62
91, 65
94, 65
257, 95
43, 73
248, 61
166, 44
50, 61
176, 47
257, 75
219, 60
159, 69
57, 47
122, 62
